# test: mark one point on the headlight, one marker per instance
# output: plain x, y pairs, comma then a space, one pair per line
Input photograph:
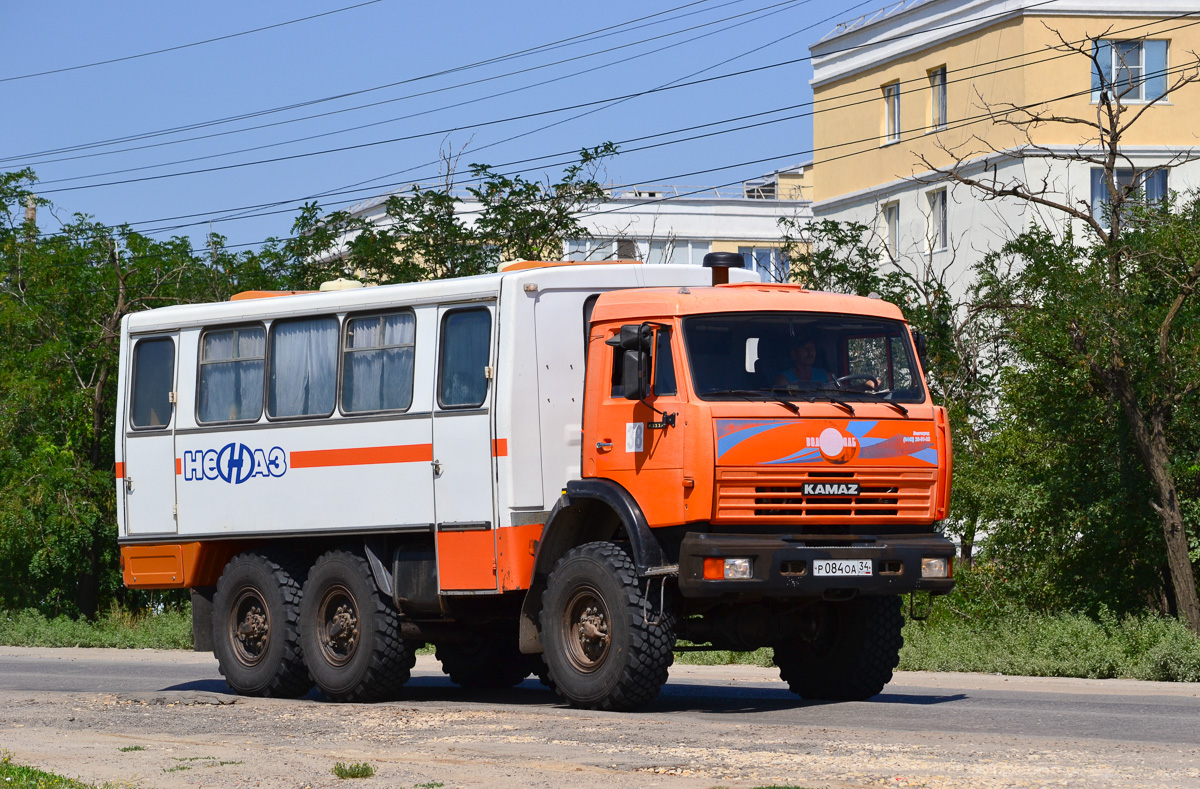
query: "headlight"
737, 568
935, 567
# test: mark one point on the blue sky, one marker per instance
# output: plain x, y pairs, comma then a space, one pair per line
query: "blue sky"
373, 45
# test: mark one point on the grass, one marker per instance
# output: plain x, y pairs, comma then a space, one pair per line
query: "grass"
129, 748
429, 785
16, 776
118, 628
356, 770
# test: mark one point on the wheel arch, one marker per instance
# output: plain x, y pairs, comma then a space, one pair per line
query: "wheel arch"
589, 510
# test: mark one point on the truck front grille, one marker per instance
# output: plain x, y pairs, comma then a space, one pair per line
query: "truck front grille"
776, 496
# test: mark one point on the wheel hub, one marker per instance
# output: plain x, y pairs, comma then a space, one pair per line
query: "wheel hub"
339, 632
250, 627
586, 627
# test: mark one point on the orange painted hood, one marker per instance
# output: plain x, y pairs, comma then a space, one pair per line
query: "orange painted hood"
826, 443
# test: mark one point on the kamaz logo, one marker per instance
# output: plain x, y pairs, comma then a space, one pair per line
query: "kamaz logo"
830, 488
234, 463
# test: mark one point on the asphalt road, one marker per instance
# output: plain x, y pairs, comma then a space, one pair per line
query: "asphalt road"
976, 730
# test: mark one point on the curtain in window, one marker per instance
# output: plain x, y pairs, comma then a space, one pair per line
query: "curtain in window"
465, 342
231, 379
303, 367
378, 375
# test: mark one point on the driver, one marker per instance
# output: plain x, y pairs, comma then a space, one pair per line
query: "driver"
803, 370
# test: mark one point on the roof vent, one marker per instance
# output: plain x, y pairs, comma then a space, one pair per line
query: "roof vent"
341, 283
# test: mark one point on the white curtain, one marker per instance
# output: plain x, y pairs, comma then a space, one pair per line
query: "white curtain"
378, 375
231, 382
304, 367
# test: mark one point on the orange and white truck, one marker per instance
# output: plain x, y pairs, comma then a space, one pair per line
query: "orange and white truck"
560, 469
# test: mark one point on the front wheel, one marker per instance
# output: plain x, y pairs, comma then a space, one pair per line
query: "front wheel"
351, 633
608, 645
845, 651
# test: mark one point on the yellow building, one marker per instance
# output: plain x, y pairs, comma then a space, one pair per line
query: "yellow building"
916, 86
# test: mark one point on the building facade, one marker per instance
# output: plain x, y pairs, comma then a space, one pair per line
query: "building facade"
918, 86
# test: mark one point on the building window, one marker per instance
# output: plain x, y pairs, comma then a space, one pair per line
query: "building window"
937, 220
1131, 71
303, 368
769, 262
377, 368
891, 220
1151, 185
231, 375
937, 98
627, 249
891, 112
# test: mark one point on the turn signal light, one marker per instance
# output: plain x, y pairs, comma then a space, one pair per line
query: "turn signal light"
938, 567
717, 568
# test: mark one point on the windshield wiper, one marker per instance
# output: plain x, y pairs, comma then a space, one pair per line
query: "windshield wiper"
748, 394
897, 406
812, 398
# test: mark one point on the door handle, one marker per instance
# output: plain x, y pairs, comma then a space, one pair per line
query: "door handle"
437, 467
603, 446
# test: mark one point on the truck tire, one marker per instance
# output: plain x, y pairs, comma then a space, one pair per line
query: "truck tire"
848, 653
350, 632
490, 661
255, 626
607, 645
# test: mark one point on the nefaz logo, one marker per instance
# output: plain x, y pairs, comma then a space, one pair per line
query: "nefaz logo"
830, 488
234, 463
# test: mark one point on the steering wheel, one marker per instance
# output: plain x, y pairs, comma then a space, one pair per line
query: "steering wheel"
856, 379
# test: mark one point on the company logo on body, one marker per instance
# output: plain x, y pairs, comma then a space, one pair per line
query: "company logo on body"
830, 488
234, 463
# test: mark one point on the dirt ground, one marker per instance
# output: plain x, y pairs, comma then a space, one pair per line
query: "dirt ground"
446, 737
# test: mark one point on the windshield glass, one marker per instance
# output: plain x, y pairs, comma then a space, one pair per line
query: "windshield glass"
801, 356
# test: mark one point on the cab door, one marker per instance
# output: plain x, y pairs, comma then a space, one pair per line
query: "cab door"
462, 449
149, 470
640, 444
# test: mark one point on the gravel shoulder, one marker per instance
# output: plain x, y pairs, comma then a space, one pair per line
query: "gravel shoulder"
71, 711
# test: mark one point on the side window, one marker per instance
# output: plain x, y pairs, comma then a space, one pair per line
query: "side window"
377, 371
664, 365
462, 376
231, 375
303, 368
153, 378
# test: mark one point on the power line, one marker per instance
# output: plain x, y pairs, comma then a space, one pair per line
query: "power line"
188, 46
592, 35
870, 91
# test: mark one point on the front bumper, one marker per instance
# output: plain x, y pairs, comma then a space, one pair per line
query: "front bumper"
782, 565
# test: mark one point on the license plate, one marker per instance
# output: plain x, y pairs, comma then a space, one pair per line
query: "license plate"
842, 567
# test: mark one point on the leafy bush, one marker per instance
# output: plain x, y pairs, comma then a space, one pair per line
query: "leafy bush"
166, 629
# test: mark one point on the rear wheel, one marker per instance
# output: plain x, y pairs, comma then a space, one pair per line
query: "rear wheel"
608, 646
255, 627
487, 661
350, 633
846, 652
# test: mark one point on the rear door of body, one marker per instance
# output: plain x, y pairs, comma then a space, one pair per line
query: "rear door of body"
149, 467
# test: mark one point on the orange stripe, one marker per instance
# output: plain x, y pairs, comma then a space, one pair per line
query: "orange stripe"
362, 456
120, 471
500, 448
178, 466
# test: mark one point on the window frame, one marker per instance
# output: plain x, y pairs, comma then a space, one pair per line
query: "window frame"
938, 100
262, 406
269, 368
1117, 64
136, 343
891, 113
344, 356
441, 366
891, 228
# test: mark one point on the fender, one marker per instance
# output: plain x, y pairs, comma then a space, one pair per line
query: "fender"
588, 510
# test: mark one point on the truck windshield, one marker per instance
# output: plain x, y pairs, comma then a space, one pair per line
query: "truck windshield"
801, 356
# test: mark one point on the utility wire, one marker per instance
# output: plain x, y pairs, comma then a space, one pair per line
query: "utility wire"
187, 46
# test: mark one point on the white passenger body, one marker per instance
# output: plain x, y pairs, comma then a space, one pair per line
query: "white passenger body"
500, 464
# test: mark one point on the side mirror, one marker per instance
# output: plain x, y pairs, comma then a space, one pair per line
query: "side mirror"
637, 342
922, 344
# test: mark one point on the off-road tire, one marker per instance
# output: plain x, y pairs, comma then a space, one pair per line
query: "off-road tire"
489, 661
350, 632
623, 663
255, 626
849, 658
